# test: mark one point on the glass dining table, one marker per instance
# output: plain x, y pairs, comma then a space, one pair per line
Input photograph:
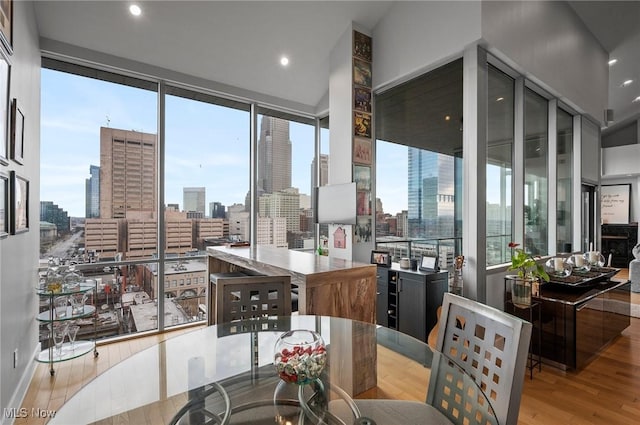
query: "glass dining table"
225, 374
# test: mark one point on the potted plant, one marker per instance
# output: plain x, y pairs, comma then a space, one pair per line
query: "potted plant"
529, 273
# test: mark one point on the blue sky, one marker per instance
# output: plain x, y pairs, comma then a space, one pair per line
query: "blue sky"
207, 145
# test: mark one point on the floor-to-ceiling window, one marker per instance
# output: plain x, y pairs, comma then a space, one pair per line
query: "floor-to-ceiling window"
285, 152
134, 207
500, 133
564, 184
99, 191
536, 186
207, 172
418, 165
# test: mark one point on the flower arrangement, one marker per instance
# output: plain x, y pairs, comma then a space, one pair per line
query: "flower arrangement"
526, 264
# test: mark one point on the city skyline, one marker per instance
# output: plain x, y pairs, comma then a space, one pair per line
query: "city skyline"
74, 108
206, 145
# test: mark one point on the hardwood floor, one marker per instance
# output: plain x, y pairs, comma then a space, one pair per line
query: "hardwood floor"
606, 391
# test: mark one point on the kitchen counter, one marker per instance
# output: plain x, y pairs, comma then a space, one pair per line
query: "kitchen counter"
326, 286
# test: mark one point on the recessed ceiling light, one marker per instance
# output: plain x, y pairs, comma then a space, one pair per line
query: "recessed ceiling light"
447, 117
284, 61
135, 10
626, 83
500, 99
612, 61
637, 99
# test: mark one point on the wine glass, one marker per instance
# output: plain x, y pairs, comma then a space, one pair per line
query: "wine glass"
60, 305
78, 301
72, 332
59, 332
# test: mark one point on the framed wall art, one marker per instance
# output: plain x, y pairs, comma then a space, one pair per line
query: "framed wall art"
362, 151
363, 231
4, 205
362, 124
362, 177
362, 73
381, 258
16, 135
6, 24
5, 72
19, 196
362, 99
361, 46
363, 202
615, 207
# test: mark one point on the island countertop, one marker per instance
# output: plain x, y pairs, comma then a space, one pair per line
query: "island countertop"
270, 260
326, 286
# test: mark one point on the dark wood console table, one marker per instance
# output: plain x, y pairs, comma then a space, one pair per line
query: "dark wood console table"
577, 322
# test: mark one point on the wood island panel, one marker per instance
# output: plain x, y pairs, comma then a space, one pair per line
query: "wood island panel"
326, 286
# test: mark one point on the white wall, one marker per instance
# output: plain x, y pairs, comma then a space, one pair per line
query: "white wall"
19, 253
417, 36
619, 161
553, 47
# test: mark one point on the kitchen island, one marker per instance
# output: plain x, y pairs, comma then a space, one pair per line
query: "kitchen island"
326, 286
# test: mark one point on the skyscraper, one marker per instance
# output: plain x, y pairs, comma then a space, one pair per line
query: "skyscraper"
92, 193
431, 192
193, 199
324, 178
285, 204
274, 155
216, 210
324, 172
128, 178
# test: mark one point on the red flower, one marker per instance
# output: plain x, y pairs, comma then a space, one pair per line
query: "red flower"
513, 244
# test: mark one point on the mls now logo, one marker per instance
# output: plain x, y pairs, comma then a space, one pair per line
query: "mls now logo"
14, 412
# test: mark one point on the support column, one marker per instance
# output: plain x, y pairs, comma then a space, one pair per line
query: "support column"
474, 192
351, 126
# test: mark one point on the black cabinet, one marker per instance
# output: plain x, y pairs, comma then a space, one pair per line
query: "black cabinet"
411, 301
619, 240
412, 305
382, 294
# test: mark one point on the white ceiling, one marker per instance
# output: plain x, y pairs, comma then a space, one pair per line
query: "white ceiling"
239, 43
616, 24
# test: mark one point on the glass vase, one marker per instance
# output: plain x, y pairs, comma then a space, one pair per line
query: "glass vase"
521, 292
299, 356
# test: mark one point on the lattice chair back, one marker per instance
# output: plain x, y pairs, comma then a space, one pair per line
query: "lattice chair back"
252, 297
490, 345
456, 394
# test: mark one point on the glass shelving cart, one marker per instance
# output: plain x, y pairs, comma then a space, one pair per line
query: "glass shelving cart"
64, 306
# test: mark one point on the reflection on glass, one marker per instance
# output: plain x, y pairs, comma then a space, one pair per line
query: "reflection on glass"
536, 160
564, 230
418, 160
500, 130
